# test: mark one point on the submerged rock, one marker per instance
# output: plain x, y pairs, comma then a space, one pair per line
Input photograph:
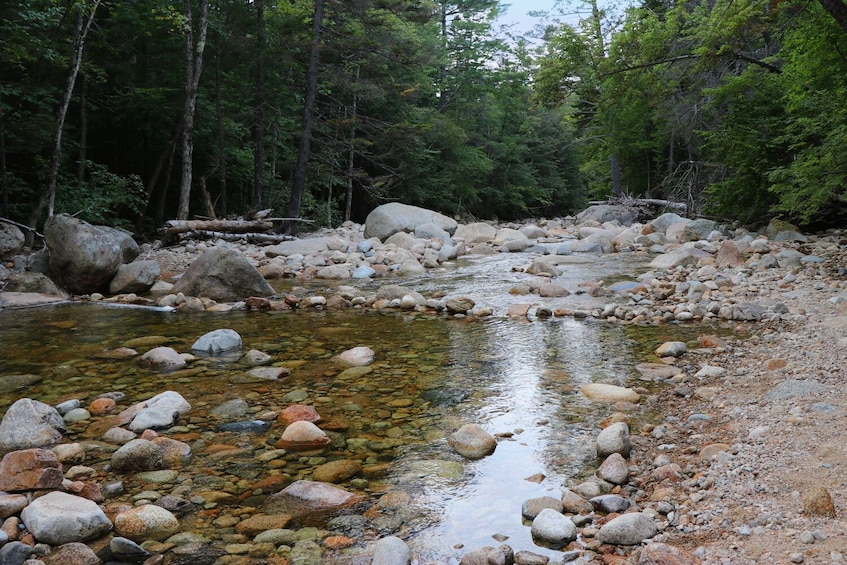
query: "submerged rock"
472, 441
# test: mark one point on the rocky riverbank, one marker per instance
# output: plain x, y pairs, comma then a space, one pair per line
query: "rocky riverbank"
745, 467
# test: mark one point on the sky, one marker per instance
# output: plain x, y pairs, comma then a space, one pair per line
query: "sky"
517, 13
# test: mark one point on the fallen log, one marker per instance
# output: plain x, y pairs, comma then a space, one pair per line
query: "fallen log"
249, 237
642, 202
174, 227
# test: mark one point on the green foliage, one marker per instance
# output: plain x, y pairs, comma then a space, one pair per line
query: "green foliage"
103, 198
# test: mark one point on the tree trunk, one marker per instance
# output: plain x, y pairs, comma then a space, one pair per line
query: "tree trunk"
83, 24
348, 201
219, 116
4, 182
298, 180
83, 129
838, 10
259, 128
616, 175
193, 70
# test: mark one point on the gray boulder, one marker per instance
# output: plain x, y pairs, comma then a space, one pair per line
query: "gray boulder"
161, 411
614, 439
14, 553
699, 229
138, 455
602, 213
678, 257
663, 222
432, 231
129, 248
58, 518
472, 441
223, 275
30, 423
218, 341
11, 241
391, 550
137, 276
307, 246
307, 501
477, 232
388, 219
553, 527
163, 359
502, 555
32, 282
628, 529
83, 257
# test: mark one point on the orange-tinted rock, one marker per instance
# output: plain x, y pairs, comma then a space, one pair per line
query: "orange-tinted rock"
818, 502
664, 554
258, 303
11, 528
101, 406
338, 542
30, 469
303, 436
297, 413
710, 341
274, 483
259, 523
176, 453
774, 364
337, 471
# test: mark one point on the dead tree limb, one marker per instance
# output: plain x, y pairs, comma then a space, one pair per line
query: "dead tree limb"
226, 236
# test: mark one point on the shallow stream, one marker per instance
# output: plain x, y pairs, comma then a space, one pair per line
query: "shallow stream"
517, 378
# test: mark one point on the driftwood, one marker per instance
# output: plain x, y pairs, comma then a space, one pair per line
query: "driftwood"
644, 203
174, 227
253, 237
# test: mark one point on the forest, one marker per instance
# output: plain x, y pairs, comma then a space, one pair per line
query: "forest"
131, 113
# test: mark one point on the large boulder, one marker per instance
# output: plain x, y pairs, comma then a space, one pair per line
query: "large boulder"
223, 275
476, 232
388, 219
58, 518
31, 282
602, 213
83, 257
30, 423
137, 276
11, 241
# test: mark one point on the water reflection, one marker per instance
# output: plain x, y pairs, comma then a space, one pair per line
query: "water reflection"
517, 378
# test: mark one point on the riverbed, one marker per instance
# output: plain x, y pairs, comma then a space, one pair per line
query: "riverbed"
516, 377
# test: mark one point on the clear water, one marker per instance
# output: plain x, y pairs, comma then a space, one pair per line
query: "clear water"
516, 377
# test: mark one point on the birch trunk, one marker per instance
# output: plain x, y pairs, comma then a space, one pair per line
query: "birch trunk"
193, 70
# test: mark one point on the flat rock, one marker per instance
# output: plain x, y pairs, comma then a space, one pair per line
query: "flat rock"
600, 392
310, 500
